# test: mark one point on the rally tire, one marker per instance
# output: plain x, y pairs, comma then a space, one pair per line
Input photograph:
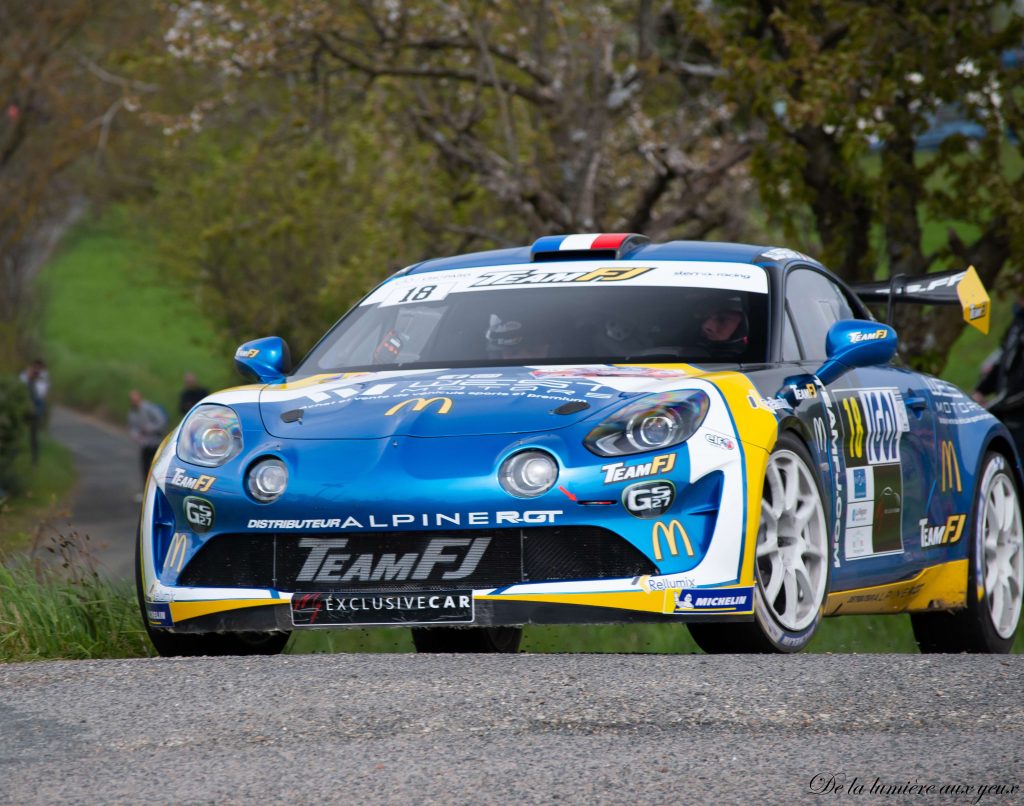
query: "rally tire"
995, 572
179, 645
791, 561
467, 639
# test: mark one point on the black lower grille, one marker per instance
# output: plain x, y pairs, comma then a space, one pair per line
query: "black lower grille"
413, 560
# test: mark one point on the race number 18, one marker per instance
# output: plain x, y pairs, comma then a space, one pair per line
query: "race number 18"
419, 293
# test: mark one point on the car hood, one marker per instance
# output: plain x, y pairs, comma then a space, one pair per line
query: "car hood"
447, 402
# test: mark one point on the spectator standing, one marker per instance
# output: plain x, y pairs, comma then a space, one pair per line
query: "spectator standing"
1004, 380
147, 422
37, 381
191, 394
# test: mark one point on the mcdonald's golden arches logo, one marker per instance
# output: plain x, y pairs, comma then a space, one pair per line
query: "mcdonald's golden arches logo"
420, 403
668, 531
950, 467
176, 554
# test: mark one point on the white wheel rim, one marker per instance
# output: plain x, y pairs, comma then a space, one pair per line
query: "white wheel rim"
791, 543
1002, 540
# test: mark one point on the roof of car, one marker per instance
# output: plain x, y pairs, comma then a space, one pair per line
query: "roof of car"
707, 251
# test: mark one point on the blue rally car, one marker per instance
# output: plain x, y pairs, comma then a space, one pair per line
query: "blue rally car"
594, 429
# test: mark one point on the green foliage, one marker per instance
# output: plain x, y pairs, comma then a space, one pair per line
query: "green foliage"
829, 80
840, 91
113, 322
40, 489
575, 117
15, 410
44, 616
281, 235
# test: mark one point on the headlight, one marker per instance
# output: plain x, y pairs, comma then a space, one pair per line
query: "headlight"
651, 424
210, 436
267, 479
528, 474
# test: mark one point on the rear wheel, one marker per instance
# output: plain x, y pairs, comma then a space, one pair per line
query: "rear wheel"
467, 639
172, 645
995, 573
791, 570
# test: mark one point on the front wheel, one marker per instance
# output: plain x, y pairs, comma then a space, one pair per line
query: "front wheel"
176, 645
995, 573
466, 639
791, 569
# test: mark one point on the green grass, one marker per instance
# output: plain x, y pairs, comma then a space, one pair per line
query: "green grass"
43, 488
112, 324
863, 634
44, 616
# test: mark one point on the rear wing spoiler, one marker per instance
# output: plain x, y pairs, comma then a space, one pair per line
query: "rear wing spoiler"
963, 288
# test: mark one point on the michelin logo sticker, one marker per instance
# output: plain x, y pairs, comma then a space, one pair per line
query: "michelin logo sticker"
713, 600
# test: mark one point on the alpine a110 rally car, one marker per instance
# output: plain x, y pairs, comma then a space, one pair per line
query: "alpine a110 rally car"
594, 429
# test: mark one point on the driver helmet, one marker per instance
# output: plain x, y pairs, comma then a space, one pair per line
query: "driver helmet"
514, 337
721, 332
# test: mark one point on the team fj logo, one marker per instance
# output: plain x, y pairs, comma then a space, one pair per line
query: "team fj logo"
620, 471
199, 513
442, 560
807, 392
199, 484
857, 337
945, 535
533, 277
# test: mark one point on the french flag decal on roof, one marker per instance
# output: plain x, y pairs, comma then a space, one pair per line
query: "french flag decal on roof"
589, 245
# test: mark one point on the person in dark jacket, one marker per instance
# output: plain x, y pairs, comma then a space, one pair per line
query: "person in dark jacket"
191, 394
147, 422
37, 382
1001, 387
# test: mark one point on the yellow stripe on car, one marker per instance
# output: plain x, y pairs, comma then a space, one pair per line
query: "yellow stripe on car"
940, 587
182, 611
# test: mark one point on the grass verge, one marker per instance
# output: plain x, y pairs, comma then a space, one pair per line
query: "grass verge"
863, 634
44, 485
113, 323
45, 616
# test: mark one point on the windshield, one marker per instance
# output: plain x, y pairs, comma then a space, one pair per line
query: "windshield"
550, 314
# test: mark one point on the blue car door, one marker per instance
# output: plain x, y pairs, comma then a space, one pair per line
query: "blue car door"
887, 425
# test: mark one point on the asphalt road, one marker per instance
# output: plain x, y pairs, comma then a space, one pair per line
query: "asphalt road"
103, 503
527, 728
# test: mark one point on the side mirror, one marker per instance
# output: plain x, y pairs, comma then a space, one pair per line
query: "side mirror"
265, 360
856, 343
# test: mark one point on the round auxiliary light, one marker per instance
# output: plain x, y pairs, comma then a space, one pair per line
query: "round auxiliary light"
528, 474
268, 479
